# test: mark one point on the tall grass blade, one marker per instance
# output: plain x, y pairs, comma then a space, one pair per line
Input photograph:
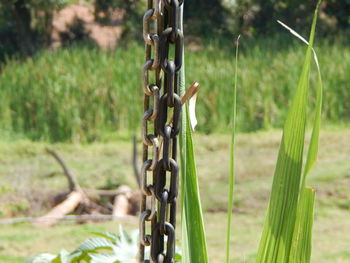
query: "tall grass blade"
313, 148
232, 158
182, 90
302, 237
277, 238
192, 215
194, 247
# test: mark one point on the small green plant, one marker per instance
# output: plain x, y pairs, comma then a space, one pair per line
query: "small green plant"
105, 248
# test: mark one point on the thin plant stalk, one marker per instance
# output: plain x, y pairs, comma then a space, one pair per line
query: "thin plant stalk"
232, 158
194, 247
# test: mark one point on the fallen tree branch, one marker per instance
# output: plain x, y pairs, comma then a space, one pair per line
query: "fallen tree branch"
121, 206
72, 181
67, 206
78, 200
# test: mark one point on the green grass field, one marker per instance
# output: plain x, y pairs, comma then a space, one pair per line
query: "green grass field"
25, 166
82, 93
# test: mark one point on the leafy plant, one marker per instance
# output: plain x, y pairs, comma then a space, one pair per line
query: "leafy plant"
105, 248
287, 231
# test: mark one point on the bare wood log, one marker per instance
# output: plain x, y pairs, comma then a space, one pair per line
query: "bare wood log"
72, 181
67, 206
79, 202
121, 206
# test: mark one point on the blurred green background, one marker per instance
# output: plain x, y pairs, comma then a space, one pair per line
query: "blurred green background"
59, 82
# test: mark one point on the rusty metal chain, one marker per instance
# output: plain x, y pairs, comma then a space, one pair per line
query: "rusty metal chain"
162, 111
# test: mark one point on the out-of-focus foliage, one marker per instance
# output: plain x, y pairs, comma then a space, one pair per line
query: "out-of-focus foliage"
7, 34
83, 93
341, 11
253, 17
205, 17
26, 24
133, 12
259, 16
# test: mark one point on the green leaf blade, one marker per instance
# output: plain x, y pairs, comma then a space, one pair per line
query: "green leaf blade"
277, 238
232, 159
302, 237
194, 247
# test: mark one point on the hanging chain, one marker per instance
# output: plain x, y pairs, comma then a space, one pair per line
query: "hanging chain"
158, 204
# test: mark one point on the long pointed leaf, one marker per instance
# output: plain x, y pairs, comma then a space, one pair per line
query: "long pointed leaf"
277, 237
302, 237
194, 248
232, 159
192, 210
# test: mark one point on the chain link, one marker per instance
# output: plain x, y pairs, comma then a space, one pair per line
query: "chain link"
162, 112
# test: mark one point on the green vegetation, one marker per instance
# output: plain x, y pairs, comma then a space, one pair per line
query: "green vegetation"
287, 234
116, 248
24, 166
83, 94
194, 243
72, 94
231, 181
258, 17
25, 25
107, 247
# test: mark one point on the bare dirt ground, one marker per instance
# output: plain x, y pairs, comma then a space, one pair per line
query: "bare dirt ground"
105, 36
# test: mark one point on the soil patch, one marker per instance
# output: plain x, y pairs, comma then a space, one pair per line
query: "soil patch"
105, 36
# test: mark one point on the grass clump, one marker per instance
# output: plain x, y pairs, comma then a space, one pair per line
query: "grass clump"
81, 93
74, 94
287, 234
